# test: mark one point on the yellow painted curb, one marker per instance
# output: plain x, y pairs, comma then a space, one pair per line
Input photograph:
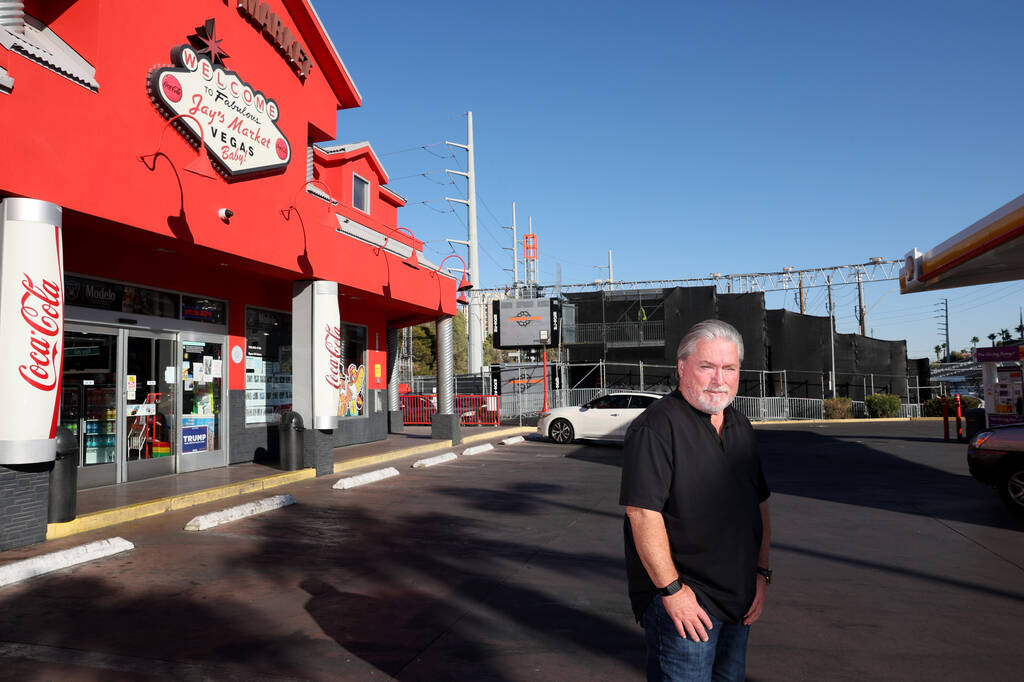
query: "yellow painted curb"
141, 510
500, 433
390, 456
385, 457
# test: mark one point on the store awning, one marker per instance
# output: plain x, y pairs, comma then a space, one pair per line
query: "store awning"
990, 250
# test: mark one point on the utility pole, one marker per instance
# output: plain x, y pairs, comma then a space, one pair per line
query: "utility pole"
611, 273
802, 308
831, 334
861, 315
942, 308
476, 345
515, 253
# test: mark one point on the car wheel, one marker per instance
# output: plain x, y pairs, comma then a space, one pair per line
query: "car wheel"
1011, 487
561, 431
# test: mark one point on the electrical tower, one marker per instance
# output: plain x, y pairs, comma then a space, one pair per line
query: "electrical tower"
476, 342
531, 261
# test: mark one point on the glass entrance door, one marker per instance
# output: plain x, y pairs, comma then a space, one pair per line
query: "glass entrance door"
89, 405
149, 391
203, 412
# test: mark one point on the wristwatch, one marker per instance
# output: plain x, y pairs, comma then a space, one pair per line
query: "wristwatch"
766, 573
671, 588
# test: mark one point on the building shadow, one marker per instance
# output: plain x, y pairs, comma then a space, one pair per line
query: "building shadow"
436, 595
86, 628
837, 468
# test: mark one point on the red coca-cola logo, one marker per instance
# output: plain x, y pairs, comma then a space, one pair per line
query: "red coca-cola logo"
332, 342
41, 310
172, 88
282, 149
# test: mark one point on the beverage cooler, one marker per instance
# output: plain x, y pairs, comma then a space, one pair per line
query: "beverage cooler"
90, 412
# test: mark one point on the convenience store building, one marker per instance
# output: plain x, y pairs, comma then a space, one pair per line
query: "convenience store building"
175, 200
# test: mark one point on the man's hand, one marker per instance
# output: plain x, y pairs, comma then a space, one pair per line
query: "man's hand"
758, 605
691, 621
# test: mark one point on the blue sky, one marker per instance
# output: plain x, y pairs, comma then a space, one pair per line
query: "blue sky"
697, 137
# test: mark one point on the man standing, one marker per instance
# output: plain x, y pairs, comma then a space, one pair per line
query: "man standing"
697, 531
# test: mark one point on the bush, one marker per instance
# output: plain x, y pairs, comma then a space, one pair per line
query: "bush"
838, 408
933, 407
882, 405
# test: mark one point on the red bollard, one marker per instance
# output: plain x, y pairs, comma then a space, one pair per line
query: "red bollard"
959, 423
945, 418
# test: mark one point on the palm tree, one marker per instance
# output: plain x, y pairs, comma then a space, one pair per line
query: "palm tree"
1004, 334
1020, 330
938, 353
974, 342
992, 338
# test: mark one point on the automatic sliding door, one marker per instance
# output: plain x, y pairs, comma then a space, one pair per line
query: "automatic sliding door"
150, 383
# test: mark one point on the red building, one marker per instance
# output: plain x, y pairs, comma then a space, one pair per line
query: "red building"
209, 224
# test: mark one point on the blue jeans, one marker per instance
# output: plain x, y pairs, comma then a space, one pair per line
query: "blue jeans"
670, 657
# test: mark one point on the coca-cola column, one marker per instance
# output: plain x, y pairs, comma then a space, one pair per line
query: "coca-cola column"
31, 329
316, 353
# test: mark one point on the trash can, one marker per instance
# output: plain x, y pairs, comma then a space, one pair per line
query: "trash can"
64, 478
976, 422
291, 441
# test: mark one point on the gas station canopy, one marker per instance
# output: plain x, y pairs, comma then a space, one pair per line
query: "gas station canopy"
990, 250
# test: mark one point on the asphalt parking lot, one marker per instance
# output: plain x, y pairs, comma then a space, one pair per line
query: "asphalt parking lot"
890, 563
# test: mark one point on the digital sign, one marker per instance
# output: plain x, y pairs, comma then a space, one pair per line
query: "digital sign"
526, 322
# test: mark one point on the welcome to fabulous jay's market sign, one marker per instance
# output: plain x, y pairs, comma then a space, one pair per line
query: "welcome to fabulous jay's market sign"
239, 123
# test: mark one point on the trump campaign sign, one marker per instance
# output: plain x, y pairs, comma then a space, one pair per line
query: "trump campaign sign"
31, 329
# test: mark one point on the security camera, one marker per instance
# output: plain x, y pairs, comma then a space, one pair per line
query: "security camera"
225, 214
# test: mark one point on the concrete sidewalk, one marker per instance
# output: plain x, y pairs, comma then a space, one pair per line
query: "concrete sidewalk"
116, 504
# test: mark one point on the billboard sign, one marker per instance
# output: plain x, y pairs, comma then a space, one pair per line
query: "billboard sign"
31, 329
526, 322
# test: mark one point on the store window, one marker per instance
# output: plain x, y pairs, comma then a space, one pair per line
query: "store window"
352, 397
360, 193
268, 365
203, 310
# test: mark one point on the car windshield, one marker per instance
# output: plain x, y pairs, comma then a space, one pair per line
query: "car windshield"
609, 402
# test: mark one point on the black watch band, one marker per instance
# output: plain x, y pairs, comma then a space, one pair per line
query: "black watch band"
671, 588
766, 573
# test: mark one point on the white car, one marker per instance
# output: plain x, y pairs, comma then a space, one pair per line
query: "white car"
603, 418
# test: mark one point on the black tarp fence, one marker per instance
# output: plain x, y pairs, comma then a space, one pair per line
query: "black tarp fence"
774, 341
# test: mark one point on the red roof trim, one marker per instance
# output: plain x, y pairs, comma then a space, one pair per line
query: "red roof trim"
324, 56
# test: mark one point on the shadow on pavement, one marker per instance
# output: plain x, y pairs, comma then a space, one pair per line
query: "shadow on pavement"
85, 628
432, 596
813, 464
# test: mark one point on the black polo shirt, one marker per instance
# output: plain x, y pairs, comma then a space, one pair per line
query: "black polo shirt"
708, 490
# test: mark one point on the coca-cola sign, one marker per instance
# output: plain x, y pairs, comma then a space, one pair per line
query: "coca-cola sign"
326, 354
31, 329
239, 123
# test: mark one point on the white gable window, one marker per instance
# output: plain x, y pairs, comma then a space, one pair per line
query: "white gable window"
360, 193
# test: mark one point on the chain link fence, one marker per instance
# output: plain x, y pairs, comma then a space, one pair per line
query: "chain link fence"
762, 395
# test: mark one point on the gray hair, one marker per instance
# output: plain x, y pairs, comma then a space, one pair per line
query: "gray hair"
705, 331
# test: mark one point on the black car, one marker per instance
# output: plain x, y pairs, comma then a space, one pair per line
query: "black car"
996, 457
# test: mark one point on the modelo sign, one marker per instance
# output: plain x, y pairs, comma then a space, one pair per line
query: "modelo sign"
239, 123
31, 329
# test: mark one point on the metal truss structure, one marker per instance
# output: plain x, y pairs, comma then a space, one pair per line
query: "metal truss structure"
875, 270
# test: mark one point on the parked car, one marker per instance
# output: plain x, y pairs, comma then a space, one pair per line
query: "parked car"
603, 418
996, 457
